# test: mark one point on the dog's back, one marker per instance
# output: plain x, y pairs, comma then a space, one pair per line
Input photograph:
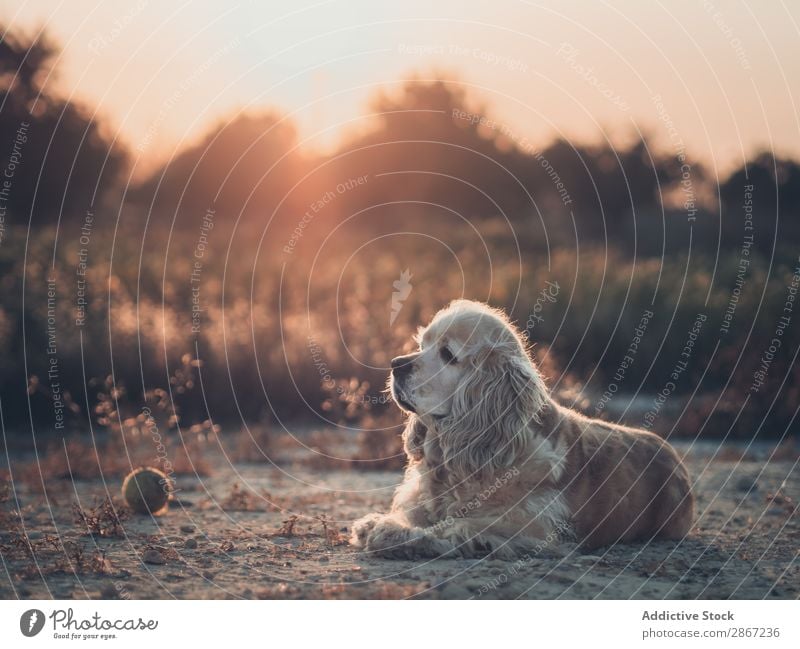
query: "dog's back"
621, 484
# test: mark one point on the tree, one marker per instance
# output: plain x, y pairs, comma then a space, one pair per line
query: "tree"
57, 158
246, 164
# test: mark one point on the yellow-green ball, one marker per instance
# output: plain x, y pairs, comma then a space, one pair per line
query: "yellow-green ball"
146, 490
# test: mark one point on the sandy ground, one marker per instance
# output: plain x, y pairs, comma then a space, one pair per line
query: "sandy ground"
224, 541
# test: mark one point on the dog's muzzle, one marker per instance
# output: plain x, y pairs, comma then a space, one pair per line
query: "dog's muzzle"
402, 367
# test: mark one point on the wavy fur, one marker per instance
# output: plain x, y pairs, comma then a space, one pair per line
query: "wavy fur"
495, 466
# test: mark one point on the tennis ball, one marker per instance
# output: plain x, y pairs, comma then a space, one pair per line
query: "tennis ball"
146, 490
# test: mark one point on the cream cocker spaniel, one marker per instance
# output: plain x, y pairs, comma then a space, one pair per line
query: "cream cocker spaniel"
496, 466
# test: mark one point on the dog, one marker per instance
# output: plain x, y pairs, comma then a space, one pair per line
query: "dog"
497, 467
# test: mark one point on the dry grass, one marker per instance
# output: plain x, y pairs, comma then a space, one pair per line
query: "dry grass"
78, 562
287, 528
49, 555
255, 444
5, 490
78, 458
332, 535
104, 519
239, 499
782, 501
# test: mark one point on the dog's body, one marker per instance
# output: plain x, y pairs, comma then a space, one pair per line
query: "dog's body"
496, 466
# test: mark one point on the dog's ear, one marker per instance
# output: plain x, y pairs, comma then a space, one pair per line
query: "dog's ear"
414, 438
500, 397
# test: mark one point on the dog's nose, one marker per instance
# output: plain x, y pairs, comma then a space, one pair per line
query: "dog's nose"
402, 365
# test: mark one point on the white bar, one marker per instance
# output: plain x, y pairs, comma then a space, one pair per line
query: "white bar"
408, 624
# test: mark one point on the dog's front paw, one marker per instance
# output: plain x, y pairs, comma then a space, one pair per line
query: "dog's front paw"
390, 540
362, 527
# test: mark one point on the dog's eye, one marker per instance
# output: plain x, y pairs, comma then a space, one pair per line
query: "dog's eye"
447, 356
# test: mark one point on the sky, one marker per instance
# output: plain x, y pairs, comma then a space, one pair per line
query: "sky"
717, 79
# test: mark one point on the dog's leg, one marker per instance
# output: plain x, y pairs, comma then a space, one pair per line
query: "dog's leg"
391, 539
391, 536
480, 537
362, 527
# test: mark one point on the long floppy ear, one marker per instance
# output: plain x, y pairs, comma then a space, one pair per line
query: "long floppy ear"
493, 408
414, 438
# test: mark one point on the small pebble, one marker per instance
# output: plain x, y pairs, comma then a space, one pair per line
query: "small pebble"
746, 484
190, 544
187, 529
154, 557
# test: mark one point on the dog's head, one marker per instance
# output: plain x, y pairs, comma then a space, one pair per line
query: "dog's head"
473, 382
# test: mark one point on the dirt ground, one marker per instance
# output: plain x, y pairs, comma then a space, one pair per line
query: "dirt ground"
235, 535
